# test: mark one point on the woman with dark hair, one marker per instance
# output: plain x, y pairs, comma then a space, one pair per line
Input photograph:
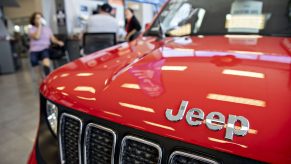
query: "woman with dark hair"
133, 27
40, 40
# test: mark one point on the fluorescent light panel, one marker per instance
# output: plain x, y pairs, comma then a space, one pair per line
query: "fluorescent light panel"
243, 73
85, 74
130, 86
85, 89
137, 107
174, 68
238, 100
159, 125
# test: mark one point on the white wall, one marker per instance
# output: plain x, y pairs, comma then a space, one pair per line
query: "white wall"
27, 7
49, 13
148, 14
73, 11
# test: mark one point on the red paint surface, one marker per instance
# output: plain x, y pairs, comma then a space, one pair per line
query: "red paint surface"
32, 157
205, 58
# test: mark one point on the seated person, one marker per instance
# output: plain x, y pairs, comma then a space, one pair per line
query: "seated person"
102, 22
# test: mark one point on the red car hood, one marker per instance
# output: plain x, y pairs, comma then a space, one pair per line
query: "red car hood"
133, 84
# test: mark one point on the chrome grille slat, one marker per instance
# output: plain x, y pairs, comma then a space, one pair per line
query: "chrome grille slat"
138, 151
179, 157
99, 144
70, 130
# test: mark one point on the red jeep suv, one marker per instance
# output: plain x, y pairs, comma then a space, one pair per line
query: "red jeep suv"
209, 82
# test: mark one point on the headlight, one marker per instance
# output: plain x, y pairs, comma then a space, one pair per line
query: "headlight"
52, 116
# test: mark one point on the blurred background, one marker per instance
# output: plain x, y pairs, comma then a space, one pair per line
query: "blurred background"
19, 83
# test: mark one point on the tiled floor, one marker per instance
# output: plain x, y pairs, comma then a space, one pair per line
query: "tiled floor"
18, 116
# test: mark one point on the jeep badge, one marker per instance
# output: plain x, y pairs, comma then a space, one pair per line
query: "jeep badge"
214, 121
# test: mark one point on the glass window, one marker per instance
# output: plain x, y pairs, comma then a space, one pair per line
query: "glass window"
216, 17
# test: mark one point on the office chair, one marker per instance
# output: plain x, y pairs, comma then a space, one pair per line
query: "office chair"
93, 42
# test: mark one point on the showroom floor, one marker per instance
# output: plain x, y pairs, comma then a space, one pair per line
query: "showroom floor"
18, 116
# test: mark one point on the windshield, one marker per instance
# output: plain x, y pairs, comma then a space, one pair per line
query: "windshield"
221, 17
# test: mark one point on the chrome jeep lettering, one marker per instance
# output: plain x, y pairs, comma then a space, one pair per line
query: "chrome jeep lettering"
214, 121
181, 112
230, 127
199, 116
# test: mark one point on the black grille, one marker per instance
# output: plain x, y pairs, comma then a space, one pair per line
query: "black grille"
185, 158
100, 144
131, 150
138, 151
70, 139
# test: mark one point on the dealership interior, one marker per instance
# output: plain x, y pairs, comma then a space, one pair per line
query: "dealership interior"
129, 68
19, 101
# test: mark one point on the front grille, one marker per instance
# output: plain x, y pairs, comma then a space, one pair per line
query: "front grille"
99, 145
139, 151
178, 157
70, 138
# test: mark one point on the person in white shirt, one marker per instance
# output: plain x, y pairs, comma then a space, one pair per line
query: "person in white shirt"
102, 22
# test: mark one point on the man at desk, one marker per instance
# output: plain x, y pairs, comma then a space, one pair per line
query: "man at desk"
102, 22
